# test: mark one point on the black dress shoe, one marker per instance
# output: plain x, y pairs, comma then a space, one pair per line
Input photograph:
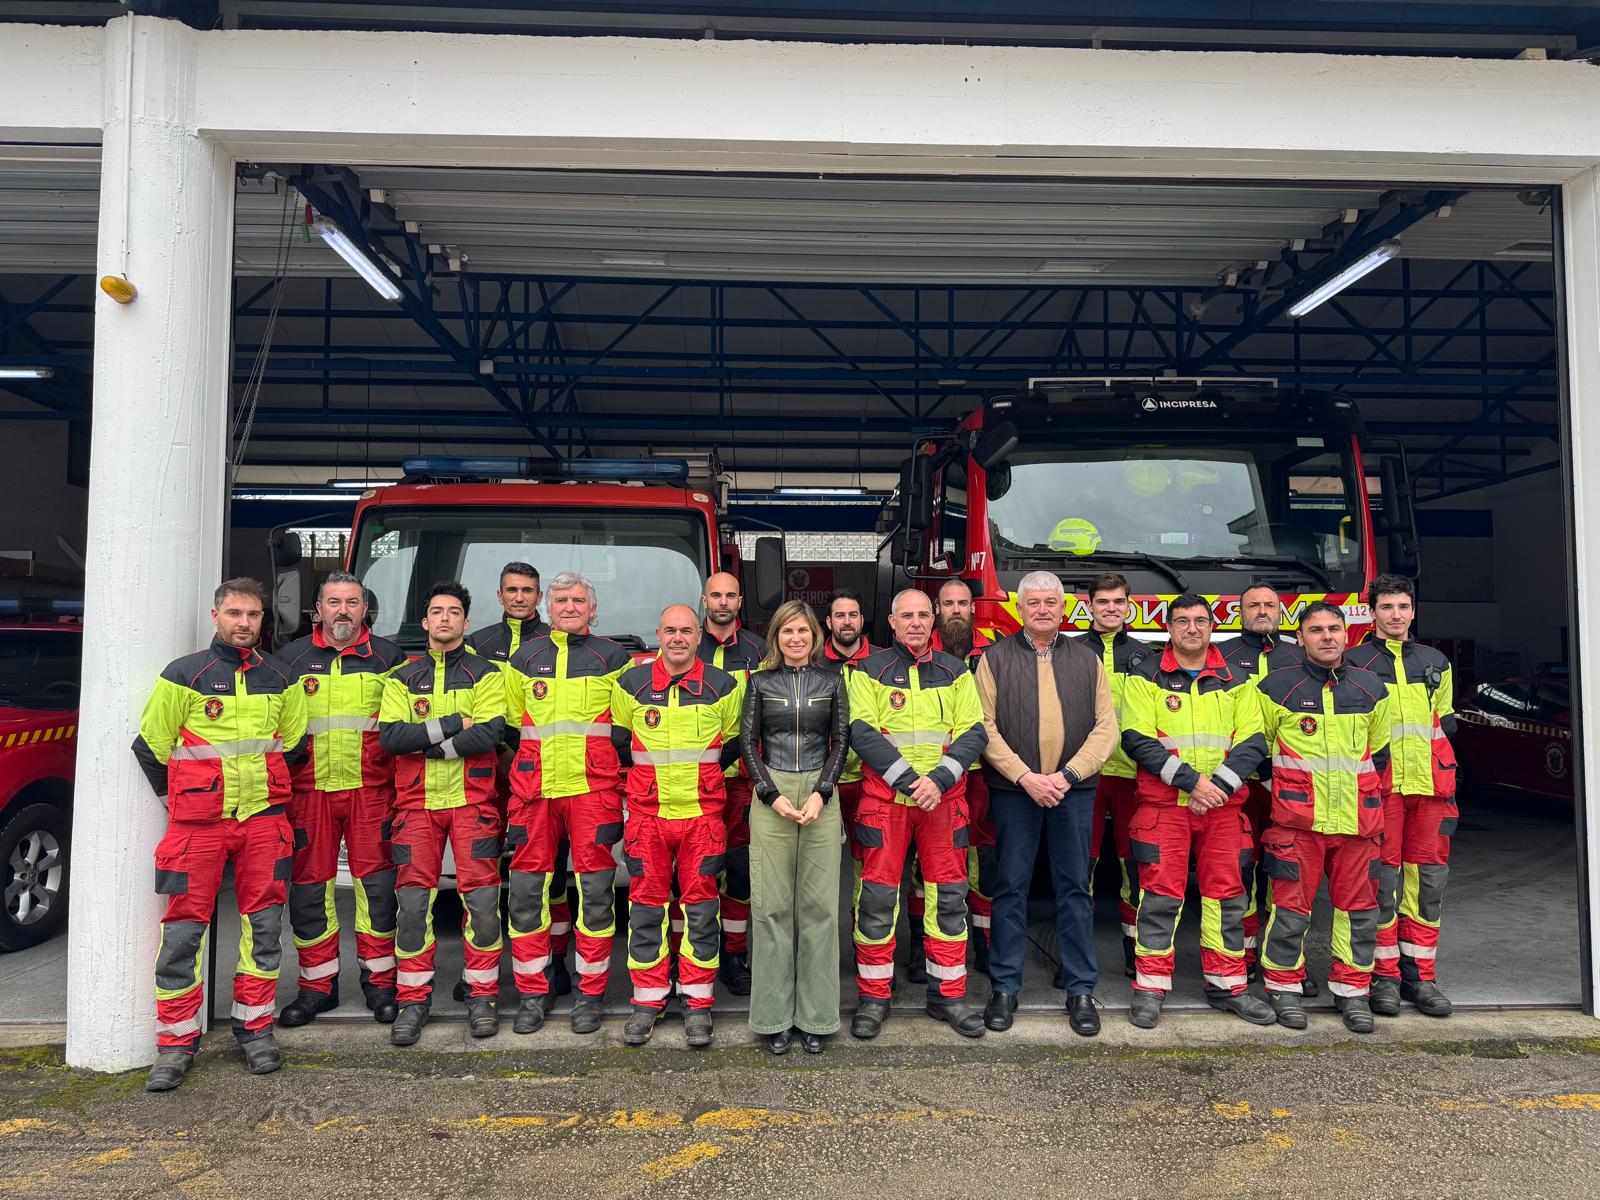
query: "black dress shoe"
1081, 1015
812, 1043
779, 1043
998, 1013
965, 1020
303, 1009
869, 1019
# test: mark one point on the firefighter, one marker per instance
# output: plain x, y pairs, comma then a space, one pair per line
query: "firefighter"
955, 634
1120, 654
345, 792
730, 646
1327, 723
219, 734
681, 715
1260, 648
917, 726
519, 598
846, 648
1419, 814
1193, 730
443, 717
564, 787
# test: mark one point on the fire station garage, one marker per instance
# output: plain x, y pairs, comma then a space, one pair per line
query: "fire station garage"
1251, 302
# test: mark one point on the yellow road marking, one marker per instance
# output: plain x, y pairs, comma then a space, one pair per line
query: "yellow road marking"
754, 1118
20, 1125
195, 1177
644, 1118
674, 1164
1566, 1102
82, 1166
1232, 1112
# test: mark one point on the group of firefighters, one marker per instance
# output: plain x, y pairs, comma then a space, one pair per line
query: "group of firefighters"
1260, 754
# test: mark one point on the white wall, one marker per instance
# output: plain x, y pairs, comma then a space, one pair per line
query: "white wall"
36, 501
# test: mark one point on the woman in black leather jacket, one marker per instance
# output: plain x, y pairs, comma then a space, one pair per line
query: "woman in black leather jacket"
795, 735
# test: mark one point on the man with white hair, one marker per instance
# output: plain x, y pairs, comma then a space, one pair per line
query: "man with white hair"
1048, 711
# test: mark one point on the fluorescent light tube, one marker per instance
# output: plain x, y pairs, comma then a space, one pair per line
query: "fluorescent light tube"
26, 372
377, 278
1365, 265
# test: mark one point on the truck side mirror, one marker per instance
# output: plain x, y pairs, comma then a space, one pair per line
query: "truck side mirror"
1399, 517
916, 493
770, 571
287, 602
996, 443
286, 548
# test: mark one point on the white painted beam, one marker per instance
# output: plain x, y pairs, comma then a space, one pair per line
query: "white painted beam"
156, 510
50, 81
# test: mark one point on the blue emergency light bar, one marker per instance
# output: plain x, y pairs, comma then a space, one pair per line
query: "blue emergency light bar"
650, 470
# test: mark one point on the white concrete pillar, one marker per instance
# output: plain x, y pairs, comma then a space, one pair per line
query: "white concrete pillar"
156, 495
1580, 231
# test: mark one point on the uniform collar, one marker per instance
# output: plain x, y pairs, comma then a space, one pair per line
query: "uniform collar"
1259, 642
1324, 675
904, 651
361, 647
691, 681
1215, 664
571, 639
240, 658
1116, 639
733, 638
449, 657
863, 648
532, 626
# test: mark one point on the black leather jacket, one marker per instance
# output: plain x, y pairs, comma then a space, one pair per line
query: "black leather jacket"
795, 720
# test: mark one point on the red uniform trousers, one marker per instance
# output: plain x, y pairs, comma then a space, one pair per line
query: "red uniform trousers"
1115, 794
1258, 808
536, 829
474, 833
659, 851
1161, 839
884, 831
189, 863
980, 862
360, 818
1416, 864
1296, 860
735, 883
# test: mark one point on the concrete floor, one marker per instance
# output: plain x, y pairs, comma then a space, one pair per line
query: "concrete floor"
1484, 1105
1510, 937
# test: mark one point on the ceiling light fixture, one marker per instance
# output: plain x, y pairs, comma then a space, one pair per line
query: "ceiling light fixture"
26, 372
377, 278
1363, 266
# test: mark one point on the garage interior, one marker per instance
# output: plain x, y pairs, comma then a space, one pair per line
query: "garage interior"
807, 329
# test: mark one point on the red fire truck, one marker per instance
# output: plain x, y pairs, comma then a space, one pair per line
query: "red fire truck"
1181, 485
646, 531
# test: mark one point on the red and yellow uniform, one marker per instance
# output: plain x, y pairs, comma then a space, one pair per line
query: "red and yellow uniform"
738, 655
683, 732
343, 792
442, 717
217, 739
565, 782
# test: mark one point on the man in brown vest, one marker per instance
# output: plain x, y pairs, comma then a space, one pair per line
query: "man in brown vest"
1051, 722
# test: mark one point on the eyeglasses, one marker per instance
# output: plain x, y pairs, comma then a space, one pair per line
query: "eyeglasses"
1189, 623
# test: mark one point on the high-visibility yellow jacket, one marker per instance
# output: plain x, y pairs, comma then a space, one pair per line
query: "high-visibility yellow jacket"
831, 660
558, 696
683, 731
1179, 730
440, 761
738, 656
913, 715
1329, 733
343, 692
220, 732
980, 642
1120, 654
1422, 712
505, 637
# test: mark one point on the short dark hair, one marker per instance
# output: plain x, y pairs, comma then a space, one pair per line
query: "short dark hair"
339, 577
1391, 585
242, 586
1111, 581
519, 568
1189, 600
450, 587
1321, 606
846, 594
1257, 584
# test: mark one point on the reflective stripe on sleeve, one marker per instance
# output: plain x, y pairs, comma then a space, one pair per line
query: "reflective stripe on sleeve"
919, 737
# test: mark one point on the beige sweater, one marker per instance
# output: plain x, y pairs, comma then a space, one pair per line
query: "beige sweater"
1088, 758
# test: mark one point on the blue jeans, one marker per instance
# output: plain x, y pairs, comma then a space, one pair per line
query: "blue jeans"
1018, 825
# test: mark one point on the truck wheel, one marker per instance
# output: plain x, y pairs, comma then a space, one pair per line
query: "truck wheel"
33, 875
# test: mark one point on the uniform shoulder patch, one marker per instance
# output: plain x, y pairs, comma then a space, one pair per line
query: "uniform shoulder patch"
1308, 725
213, 708
422, 706
1174, 702
311, 685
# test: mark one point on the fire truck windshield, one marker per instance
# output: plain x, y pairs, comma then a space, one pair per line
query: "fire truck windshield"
639, 561
1269, 498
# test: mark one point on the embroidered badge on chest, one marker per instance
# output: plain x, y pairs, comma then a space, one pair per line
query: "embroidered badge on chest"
897, 700
652, 717
311, 685
1308, 725
540, 689
213, 709
1174, 703
422, 706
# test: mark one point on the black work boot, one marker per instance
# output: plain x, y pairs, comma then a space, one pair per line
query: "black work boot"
530, 1015
869, 1019
697, 1027
483, 1018
1291, 1013
963, 1018
641, 1024
1128, 967
385, 1007
303, 1009
1384, 996
560, 978
261, 1054
585, 1015
461, 991
1309, 988
734, 971
1245, 1005
1357, 1013
408, 1023
980, 951
1145, 1009
916, 965
168, 1070
1427, 997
